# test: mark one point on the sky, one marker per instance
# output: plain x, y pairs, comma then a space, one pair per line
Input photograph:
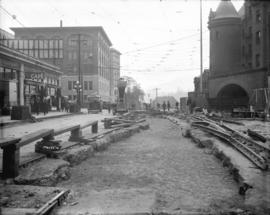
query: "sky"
159, 39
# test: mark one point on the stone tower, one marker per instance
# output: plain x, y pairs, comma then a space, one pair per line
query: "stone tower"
225, 40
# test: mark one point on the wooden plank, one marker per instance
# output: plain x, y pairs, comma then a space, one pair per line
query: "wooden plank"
89, 124
51, 203
65, 129
34, 136
8, 141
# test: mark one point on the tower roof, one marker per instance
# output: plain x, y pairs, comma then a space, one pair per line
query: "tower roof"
226, 9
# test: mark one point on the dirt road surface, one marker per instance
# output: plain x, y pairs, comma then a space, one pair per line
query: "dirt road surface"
155, 170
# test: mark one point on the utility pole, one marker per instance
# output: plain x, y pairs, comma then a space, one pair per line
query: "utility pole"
201, 48
80, 74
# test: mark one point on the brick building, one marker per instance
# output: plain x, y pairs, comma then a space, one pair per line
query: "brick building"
115, 73
82, 53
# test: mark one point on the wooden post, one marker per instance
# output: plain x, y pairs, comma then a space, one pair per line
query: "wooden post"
95, 128
11, 160
11, 157
76, 134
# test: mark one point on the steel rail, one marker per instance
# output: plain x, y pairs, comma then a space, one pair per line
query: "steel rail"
239, 145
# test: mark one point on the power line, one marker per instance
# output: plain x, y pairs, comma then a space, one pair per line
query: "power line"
11, 15
160, 44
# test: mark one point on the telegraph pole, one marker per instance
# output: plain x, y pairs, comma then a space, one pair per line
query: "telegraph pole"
201, 48
80, 74
79, 69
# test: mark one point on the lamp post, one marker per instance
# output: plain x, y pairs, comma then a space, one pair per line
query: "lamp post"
77, 86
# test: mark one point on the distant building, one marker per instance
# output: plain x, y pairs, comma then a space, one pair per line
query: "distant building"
82, 53
114, 73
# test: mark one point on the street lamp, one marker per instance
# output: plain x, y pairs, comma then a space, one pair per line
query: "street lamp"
77, 86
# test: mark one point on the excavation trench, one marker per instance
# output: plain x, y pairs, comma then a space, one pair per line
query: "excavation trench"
152, 171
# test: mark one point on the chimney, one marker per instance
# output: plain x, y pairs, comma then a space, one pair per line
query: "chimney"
61, 23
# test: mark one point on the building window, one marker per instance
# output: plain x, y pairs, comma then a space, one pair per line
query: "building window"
38, 48
249, 50
257, 60
258, 17
217, 35
90, 85
85, 97
69, 85
258, 37
85, 85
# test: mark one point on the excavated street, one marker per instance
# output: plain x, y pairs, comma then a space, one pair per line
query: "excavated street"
155, 170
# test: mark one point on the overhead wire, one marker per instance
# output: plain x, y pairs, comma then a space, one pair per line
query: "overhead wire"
12, 15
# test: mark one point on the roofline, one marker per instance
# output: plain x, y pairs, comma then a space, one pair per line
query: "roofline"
115, 50
28, 59
65, 28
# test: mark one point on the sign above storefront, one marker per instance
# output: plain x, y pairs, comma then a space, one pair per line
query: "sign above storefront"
34, 76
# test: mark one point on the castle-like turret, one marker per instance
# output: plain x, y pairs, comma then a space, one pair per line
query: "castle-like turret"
225, 40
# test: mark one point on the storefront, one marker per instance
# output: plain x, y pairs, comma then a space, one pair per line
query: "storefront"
26, 81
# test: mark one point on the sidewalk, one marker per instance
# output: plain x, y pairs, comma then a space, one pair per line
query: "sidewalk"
6, 120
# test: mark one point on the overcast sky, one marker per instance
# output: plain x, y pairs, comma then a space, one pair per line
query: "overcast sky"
158, 39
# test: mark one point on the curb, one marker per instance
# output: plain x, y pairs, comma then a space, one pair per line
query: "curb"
7, 124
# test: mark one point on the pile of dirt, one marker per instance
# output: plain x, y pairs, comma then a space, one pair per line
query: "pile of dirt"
18, 196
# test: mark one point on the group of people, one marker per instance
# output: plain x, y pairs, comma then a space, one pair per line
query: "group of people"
40, 105
167, 105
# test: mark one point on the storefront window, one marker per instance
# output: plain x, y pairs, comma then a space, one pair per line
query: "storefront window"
7, 73
1, 73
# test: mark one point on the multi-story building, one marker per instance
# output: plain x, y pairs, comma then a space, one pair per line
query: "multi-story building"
82, 53
115, 73
239, 54
25, 80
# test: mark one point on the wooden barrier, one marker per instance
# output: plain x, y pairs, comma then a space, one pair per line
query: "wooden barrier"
11, 146
94, 125
11, 150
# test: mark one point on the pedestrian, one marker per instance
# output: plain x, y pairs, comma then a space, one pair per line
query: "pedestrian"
164, 106
43, 106
109, 108
36, 105
177, 106
168, 105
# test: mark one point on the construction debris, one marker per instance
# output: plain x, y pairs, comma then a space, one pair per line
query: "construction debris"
253, 150
123, 121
